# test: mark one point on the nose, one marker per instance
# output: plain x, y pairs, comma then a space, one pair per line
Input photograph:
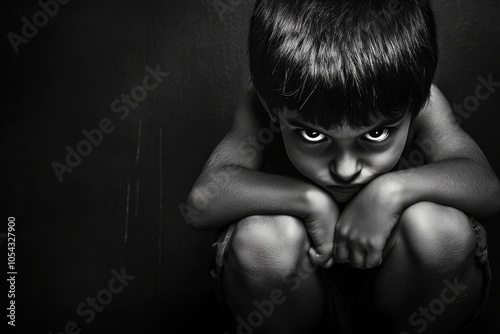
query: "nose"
345, 167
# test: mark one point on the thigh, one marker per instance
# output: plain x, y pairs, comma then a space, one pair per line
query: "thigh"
267, 280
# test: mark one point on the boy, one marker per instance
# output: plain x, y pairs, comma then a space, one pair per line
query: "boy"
320, 228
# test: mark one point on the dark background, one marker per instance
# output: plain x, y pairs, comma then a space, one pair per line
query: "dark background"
119, 207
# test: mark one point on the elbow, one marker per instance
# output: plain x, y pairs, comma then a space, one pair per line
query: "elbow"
194, 225
190, 217
194, 216
193, 220
198, 223
191, 214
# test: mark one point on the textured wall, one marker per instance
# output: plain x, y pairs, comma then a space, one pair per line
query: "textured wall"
117, 208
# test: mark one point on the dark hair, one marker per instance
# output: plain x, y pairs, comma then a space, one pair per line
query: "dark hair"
341, 62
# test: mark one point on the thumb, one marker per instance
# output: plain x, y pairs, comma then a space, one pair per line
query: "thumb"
325, 260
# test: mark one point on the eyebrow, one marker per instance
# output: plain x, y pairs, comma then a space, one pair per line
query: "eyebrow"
303, 124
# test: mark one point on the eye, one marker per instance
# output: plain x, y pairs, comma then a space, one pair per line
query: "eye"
378, 135
312, 136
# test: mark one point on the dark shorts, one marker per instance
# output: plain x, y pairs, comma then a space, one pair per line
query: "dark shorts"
346, 310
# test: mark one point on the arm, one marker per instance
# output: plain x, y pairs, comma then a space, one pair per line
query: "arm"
240, 189
457, 173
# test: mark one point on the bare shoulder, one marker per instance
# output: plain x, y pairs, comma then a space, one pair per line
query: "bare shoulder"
250, 114
240, 146
436, 131
436, 116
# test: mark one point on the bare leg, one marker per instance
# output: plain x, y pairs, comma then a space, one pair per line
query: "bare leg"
428, 281
269, 282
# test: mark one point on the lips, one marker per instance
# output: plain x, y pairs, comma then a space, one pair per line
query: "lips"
344, 190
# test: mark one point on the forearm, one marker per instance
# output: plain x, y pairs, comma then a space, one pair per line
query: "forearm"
465, 184
243, 192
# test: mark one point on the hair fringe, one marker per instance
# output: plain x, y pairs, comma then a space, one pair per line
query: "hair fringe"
340, 62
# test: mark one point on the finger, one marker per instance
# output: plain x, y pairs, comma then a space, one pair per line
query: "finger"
314, 257
323, 251
311, 253
323, 260
330, 262
373, 259
357, 258
341, 252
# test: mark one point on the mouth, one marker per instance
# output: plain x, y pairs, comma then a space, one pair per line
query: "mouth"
344, 190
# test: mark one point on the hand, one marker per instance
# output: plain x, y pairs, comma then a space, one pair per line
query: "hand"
320, 225
366, 223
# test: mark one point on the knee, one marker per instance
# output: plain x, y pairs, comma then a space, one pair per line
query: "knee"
267, 245
436, 235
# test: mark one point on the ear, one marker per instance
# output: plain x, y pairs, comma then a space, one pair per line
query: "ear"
273, 114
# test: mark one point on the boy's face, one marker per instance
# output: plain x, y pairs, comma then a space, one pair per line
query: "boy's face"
342, 160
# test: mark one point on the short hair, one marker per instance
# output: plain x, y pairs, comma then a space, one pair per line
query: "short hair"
341, 62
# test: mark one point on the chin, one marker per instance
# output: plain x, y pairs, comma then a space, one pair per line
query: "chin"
342, 198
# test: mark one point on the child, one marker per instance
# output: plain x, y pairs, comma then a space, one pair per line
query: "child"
321, 229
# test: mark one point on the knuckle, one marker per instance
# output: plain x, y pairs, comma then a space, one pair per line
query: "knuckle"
374, 244
353, 239
357, 261
341, 255
342, 229
356, 264
375, 259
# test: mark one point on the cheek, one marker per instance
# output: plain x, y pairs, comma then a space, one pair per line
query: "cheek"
309, 165
298, 159
384, 162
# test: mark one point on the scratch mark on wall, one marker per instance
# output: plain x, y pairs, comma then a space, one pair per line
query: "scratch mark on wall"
160, 225
137, 157
138, 152
126, 213
118, 209
136, 197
